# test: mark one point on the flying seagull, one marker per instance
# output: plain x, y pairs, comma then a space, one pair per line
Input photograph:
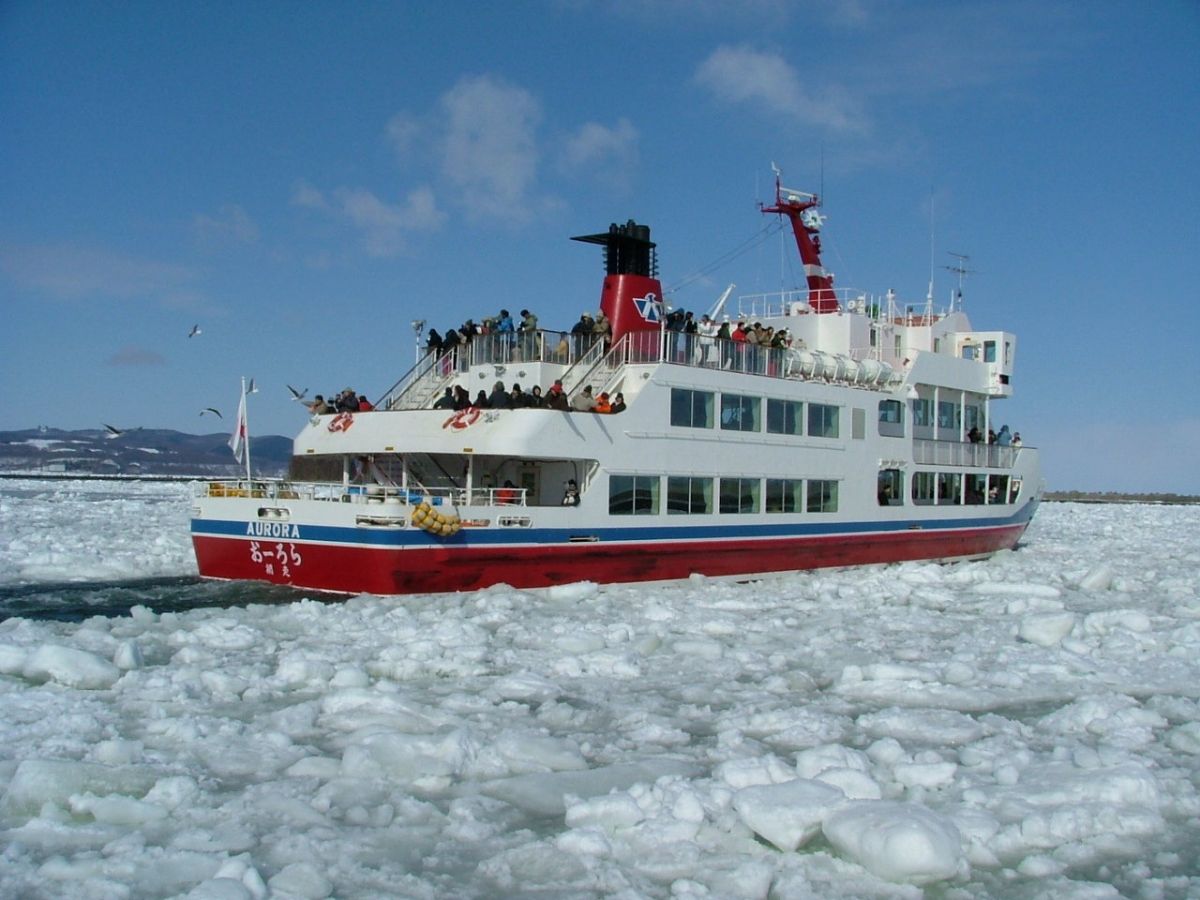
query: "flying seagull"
215, 412
250, 388
298, 395
113, 432
195, 331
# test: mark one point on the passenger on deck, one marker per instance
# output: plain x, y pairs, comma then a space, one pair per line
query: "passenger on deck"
1004, 438
974, 435
364, 405
347, 401
446, 401
462, 399
481, 400
1016, 441
319, 407
618, 404
534, 398
507, 494
602, 405
556, 397
528, 321
571, 494
498, 398
516, 397
991, 436
584, 401
433, 343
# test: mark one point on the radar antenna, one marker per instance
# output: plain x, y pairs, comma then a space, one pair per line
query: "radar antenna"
960, 269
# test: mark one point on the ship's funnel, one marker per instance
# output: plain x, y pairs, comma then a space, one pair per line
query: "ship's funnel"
632, 295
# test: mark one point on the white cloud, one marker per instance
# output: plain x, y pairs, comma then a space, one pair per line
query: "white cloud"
741, 75
231, 224
304, 194
403, 132
610, 154
491, 151
68, 271
384, 225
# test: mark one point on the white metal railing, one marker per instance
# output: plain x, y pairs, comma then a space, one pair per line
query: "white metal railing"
964, 454
336, 492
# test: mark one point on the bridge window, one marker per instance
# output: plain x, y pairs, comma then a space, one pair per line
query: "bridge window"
691, 409
922, 410
689, 496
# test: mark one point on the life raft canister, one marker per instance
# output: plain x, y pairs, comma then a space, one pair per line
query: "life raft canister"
464, 418
434, 521
341, 422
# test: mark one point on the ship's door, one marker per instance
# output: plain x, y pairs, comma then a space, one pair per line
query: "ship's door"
530, 478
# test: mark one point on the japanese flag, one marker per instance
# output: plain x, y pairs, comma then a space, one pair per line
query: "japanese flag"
237, 441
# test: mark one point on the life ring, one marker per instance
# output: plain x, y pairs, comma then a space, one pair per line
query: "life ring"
341, 422
464, 418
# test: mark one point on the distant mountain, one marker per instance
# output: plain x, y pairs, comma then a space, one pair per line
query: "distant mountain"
142, 451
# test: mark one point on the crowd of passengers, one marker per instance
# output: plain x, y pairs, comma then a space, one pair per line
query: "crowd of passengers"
1001, 438
590, 329
459, 398
347, 401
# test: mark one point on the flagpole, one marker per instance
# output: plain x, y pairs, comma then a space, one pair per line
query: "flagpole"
245, 425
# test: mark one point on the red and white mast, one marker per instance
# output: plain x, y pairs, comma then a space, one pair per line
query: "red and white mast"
801, 209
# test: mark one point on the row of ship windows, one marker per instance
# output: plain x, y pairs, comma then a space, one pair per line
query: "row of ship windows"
642, 495
741, 412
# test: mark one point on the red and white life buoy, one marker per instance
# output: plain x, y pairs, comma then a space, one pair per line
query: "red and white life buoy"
464, 418
341, 422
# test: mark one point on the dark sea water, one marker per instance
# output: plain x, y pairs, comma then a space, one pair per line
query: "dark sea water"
74, 602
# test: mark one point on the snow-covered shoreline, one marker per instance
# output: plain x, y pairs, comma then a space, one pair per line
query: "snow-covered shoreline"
1026, 726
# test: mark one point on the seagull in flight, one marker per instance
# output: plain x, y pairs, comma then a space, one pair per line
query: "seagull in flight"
113, 432
297, 395
250, 388
195, 331
215, 412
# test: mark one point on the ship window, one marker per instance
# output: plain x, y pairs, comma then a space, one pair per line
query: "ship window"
890, 489
989, 351
922, 412
739, 495
922, 488
998, 489
822, 495
633, 495
976, 489
688, 495
973, 417
739, 412
822, 420
949, 488
891, 418
949, 415
785, 416
784, 495
691, 409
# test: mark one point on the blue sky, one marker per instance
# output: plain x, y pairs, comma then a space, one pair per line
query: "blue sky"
304, 179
